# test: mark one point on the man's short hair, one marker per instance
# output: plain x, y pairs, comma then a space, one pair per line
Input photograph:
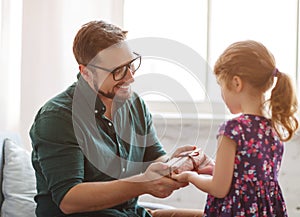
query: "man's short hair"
93, 37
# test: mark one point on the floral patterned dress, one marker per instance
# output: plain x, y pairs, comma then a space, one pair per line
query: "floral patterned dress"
255, 190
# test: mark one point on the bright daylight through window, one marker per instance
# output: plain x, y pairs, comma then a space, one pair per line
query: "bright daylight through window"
207, 27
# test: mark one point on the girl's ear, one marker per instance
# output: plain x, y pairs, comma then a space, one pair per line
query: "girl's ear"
237, 84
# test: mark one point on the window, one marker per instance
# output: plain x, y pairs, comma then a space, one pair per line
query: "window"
207, 27
274, 23
174, 21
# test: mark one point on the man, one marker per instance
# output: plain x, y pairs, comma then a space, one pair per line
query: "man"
93, 143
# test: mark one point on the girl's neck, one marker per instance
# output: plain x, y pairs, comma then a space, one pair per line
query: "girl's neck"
253, 105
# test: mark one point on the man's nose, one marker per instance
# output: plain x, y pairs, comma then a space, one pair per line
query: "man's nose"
129, 75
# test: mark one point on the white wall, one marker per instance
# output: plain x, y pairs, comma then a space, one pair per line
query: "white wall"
45, 65
48, 65
10, 62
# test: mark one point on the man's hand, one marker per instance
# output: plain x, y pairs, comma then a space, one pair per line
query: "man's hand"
156, 171
157, 183
183, 149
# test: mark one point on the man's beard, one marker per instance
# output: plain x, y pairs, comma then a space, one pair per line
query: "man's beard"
111, 95
107, 95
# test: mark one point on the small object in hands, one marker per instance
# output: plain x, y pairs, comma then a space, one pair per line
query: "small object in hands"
207, 160
195, 160
206, 166
175, 163
180, 163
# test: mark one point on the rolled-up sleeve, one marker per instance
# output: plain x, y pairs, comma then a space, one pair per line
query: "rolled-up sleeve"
57, 157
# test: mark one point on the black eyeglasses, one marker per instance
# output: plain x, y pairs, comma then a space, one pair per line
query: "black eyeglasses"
120, 72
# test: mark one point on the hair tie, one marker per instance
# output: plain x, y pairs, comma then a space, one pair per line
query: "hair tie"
275, 72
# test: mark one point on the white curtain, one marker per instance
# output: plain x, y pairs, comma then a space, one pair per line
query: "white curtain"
10, 62
43, 64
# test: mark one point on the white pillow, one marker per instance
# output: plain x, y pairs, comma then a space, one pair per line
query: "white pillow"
18, 182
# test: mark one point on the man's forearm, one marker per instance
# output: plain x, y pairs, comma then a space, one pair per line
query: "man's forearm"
93, 196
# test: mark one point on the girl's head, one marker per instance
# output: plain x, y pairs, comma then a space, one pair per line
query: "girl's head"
255, 65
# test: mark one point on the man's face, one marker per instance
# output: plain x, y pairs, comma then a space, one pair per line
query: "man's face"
114, 59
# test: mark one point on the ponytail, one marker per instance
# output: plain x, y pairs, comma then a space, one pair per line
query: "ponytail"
283, 106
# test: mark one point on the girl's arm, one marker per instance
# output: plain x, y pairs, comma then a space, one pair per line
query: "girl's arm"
219, 184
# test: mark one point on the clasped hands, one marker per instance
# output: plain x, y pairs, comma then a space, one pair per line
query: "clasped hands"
161, 178
195, 160
185, 158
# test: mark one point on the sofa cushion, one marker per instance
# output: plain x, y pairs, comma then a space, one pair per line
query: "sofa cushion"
19, 184
4, 135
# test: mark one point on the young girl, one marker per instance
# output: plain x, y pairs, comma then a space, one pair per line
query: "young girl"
250, 146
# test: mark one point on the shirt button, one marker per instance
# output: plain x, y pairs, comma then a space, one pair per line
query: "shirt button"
123, 169
103, 108
109, 124
96, 111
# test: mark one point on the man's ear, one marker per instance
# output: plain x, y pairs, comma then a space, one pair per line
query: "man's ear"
84, 72
237, 83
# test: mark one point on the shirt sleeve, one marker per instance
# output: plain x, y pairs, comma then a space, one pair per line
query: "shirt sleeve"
231, 129
59, 158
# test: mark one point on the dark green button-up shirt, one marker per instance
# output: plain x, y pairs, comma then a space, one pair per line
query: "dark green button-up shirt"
73, 142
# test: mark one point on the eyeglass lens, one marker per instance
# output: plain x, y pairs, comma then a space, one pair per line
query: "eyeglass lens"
120, 73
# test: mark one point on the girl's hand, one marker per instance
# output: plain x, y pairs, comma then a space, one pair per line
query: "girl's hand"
207, 166
184, 176
183, 149
208, 170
